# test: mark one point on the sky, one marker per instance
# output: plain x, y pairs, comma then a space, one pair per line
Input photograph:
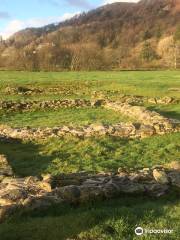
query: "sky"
19, 14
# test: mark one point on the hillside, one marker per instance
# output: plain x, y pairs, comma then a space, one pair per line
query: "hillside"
115, 36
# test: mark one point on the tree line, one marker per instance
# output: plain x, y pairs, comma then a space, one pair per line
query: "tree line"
71, 49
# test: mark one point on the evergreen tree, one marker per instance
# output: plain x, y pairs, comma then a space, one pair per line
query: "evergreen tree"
148, 54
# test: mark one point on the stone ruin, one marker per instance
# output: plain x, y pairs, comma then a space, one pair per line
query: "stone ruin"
30, 193
148, 123
135, 99
29, 90
55, 104
48, 104
22, 90
153, 119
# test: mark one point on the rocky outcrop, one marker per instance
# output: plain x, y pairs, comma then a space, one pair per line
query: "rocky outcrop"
30, 193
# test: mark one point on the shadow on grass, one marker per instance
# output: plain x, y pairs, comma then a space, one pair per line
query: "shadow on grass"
24, 157
114, 219
70, 154
165, 113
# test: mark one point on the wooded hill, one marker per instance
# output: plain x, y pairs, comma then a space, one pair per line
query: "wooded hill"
115, 36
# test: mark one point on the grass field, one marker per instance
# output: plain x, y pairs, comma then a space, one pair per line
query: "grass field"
91, 154
109, 220
63, 116
81, 84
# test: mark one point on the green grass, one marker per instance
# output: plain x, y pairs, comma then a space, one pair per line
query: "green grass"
81, 84
170, 110
63, 116
109, 220
72, 154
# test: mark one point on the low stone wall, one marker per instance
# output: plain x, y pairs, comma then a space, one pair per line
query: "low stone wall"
30, 193
53, 104
148, 123
163, 100
151, 118
22, 90
66, 90
123, 130
135, 99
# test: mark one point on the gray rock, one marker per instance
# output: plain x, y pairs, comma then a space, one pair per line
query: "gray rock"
174, 177
156, 189
69, 193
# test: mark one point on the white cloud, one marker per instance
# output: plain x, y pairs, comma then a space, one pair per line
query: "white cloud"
17, 25
113, 1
